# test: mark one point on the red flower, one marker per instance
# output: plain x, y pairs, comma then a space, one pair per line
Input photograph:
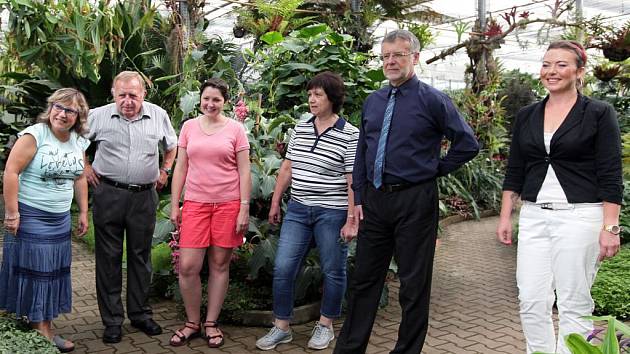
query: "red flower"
241, 111
494, 29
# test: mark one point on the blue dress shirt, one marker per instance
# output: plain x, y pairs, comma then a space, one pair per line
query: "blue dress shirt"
422, 116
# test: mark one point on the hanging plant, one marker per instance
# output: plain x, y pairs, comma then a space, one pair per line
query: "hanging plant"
606, 72
614, 42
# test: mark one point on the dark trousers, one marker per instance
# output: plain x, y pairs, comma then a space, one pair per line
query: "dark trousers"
118, 213
403, 223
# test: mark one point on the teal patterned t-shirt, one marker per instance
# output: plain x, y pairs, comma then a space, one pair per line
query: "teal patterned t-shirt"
47, 183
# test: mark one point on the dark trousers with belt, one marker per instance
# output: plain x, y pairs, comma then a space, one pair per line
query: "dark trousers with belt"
119, 213
403, 223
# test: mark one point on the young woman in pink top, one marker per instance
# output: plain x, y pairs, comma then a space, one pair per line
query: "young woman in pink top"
213, 165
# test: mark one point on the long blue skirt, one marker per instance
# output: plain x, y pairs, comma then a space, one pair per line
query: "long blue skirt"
35, 276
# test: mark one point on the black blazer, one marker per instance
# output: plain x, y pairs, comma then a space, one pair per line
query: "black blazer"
585, 153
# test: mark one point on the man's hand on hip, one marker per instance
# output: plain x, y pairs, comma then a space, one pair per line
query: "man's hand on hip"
91, 176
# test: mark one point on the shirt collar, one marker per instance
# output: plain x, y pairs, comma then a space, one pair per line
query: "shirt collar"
339, 124
407, 86
142, 115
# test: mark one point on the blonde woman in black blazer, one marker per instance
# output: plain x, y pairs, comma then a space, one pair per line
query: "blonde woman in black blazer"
565, 165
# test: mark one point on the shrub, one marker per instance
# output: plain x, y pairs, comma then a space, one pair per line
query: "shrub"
611, 290
17, 337
624, 217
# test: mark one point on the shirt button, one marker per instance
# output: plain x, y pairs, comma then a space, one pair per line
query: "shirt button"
547, 159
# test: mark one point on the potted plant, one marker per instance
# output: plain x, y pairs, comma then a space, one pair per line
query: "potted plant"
614, 42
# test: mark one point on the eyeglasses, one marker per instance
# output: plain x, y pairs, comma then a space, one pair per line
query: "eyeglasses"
68, 111
395, 56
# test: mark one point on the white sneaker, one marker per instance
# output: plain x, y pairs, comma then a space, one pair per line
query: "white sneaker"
273, 338
321, 337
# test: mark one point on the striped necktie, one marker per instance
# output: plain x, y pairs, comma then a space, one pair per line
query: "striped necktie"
379, 162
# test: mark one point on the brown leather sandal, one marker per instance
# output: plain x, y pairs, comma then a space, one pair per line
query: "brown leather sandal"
183, 339
215, 325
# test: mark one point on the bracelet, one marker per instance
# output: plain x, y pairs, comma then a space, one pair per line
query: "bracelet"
350, 216
244, 202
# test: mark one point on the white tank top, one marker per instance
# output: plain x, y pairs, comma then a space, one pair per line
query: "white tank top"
551, 191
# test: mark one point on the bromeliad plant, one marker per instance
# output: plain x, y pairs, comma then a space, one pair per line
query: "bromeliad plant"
612, 341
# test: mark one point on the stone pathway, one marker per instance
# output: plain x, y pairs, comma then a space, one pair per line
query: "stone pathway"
474, 306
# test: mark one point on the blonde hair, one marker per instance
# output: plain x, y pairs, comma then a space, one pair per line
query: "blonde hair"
68, 97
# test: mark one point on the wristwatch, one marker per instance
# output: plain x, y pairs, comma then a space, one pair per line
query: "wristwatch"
167, 170
613, 229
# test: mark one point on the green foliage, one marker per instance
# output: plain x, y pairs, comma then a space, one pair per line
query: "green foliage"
423, 33
485, 114
161, 259
280, 70
610, 344
17, 337
270, 16
611, 290
518, 90
78, 43
624, 217
477, 183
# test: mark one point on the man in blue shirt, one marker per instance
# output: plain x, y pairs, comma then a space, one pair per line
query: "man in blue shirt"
394, 181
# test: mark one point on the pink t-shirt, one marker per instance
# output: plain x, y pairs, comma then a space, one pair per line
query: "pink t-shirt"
212, 170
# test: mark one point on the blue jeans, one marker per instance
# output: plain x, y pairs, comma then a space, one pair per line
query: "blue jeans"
301, 225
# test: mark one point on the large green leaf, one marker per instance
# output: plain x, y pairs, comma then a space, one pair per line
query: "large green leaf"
299, 66
161, 258
293, 45
610, 344
162, 232
272, 38
189, 102
29, 54
312, 31
578, 345
272, 163
263, 256
267, 185
376, 75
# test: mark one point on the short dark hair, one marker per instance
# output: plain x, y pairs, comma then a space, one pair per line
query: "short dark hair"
333, 85
218, 84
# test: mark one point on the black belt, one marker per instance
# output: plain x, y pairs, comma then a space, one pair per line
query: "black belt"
130, 187
396, 187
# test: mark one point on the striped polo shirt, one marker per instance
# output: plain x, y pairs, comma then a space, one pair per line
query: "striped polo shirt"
127, 150
319, 163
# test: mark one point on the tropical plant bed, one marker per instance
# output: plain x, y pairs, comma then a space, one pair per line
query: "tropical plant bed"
611, 291
17, 337
248, 301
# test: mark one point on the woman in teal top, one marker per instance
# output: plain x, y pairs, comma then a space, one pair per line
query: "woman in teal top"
43, 172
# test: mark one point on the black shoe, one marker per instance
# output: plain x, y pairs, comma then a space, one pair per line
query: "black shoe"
112, 334
148, 326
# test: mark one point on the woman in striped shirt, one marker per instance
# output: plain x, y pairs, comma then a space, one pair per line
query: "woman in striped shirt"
318, 166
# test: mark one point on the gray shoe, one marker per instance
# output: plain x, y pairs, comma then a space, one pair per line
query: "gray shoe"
321, 337
273, 338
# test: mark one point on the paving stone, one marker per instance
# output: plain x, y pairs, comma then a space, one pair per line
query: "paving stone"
474, 307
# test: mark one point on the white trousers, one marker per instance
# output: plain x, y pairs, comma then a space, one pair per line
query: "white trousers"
557, 250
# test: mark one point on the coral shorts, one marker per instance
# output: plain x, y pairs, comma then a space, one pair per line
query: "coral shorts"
210, 224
